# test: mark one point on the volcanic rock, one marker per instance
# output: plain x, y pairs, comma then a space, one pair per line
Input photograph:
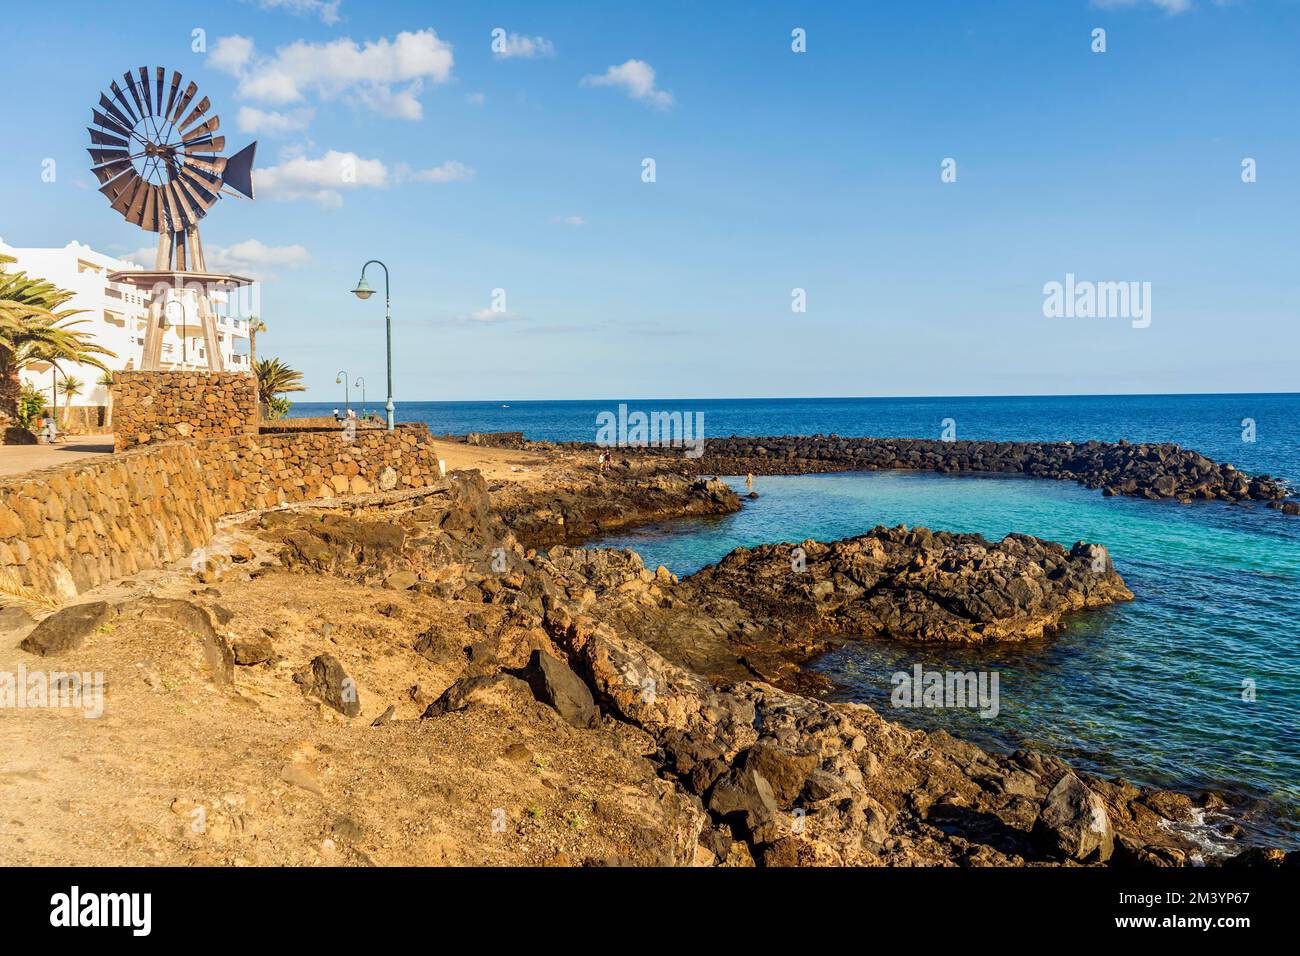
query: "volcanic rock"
67, 629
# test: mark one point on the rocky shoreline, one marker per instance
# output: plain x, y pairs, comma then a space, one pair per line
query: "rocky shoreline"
589, 503
1153, 471
689, 732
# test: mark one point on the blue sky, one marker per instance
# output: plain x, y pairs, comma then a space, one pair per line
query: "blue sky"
775, 170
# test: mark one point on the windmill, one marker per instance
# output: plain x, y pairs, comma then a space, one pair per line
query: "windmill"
158, 161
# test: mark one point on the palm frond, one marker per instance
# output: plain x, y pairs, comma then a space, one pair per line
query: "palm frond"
13, 593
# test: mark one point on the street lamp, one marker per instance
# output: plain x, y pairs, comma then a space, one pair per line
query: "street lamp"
342, 379
363, 291
361, 382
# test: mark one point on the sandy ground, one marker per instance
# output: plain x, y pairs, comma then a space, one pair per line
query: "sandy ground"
176, 770
17, 459
502, 464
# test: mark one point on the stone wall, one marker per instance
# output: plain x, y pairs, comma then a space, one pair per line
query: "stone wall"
265, 470
70, 528
66, 529
152, 407
82, 419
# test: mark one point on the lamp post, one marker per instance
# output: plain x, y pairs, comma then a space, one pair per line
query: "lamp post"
361, 381
363, 291
342, 379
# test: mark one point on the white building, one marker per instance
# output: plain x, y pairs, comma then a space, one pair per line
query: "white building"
116, 314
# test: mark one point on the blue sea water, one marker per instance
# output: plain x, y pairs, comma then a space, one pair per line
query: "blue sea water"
1152, 690
1212, 424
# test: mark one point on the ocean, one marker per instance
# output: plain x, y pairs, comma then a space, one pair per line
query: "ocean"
1195, 684
1212, 424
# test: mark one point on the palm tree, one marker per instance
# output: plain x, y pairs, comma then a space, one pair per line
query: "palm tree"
106, 383
255, 326
33, 328
274, 377
71, 387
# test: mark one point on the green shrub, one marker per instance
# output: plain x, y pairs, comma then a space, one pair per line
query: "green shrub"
31, 402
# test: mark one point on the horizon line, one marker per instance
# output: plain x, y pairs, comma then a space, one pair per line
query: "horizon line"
813, 398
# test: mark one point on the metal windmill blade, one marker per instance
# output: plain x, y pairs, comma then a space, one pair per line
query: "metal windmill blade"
158, 170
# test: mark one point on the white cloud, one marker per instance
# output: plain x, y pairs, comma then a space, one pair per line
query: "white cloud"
327, 10
449, 172
637, 79
270, 122
252, 258
490, 315
403, 103
1172, 7
320, 180
384, 75
570, 220
254, 252
516, 46
476, 99
324, 180
231, 54
485, 317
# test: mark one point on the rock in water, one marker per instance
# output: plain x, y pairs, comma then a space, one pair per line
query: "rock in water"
1073, 823
554, 683
328, 681
66, 630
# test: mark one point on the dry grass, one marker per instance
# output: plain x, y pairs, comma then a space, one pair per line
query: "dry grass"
13, 593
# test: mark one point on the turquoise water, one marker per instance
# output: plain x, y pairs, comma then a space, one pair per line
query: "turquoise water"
1149, 690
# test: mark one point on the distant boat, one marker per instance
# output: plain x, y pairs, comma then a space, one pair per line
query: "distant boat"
505, 406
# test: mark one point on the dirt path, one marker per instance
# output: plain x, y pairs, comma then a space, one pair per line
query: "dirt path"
18, 459
497, 464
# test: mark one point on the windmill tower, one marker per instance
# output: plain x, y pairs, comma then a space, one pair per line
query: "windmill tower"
159, 163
